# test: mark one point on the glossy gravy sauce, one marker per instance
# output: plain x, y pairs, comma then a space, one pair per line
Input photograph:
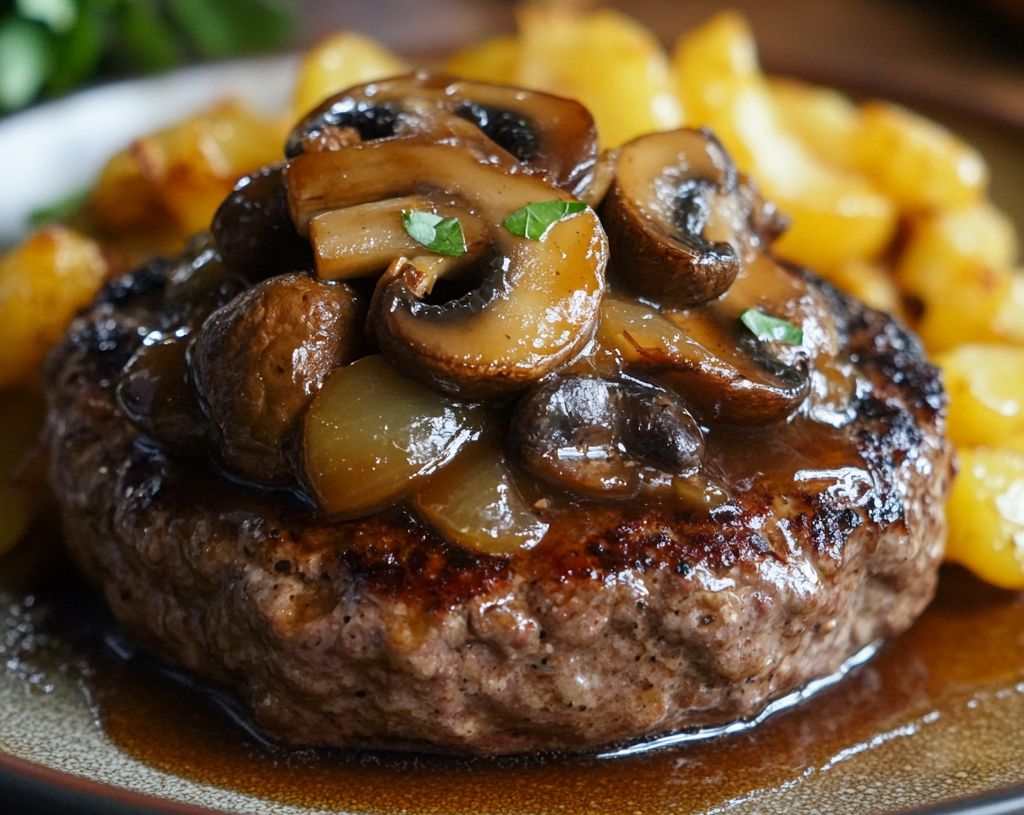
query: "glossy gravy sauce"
968, 642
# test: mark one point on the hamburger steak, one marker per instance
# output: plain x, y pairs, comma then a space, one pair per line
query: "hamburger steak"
716, 552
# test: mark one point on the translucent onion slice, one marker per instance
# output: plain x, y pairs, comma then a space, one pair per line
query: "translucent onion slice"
475, 502
371, 434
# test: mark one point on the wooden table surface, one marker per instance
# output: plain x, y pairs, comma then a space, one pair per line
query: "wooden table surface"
952, 53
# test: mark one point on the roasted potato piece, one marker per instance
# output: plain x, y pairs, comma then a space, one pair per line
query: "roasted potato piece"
966, 309
184, 171
958, 263
124, 199
944, 246
986, 385
610, 63
339, 62
986, 516
837, 216
492, 60
43, 282
917, 162
1009, 320
826, 120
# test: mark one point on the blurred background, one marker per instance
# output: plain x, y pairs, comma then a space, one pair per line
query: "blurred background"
962, 54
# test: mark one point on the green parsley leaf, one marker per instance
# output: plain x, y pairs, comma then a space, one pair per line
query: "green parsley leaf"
534, 220
441, 235
771, 329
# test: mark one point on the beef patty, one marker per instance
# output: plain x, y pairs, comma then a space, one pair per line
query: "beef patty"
628, 620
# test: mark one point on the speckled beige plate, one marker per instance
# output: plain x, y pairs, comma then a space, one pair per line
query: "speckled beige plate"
936, 720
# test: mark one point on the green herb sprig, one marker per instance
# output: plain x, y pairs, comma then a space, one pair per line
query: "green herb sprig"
771, 329
438, 234
534, 220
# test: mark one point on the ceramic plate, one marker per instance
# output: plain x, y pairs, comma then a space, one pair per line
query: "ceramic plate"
87, 726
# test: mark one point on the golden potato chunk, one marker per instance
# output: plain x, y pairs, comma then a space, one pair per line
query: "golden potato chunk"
837, 215
1008, 323
43, 282
609, 62
958, 264
339, 62
986, 385
986, 516
185, 171
942, 247
826, 120
492, 60
918, 162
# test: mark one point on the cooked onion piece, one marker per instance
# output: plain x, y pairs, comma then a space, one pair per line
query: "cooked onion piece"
537, 300
474, 501
259, 361
364, 240
676, 219
548, 135
371, 434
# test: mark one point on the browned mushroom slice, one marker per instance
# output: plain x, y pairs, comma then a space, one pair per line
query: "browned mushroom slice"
536, 301
547, 134
372, 434
676, 221
786, 293
604, 438
259, 361
712, 362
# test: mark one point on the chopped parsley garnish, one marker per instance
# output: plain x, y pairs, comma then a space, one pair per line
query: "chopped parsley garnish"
441, 235
534, 220
771, 329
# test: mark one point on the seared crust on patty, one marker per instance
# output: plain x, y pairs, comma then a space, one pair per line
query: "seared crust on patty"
625, 622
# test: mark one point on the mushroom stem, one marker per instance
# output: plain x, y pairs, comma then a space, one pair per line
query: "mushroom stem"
364, 240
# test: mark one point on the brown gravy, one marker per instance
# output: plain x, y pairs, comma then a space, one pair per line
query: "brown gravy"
968, 641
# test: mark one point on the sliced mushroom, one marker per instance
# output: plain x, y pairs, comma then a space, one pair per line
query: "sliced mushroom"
597, 437
259, 361
676, 220
254, 231
715, 364
372, 435
786, 293
535, 302
546, 134
155, 392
